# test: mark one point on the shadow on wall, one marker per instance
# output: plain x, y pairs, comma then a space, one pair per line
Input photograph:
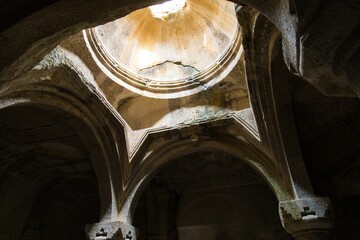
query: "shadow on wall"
208, 196
47, 182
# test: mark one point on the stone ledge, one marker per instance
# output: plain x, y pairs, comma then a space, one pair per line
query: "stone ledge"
110, 231
307, 214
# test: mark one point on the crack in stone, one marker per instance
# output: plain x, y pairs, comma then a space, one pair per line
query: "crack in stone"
178, 63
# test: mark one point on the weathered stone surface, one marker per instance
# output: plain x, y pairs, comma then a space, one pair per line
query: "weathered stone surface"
27, 41
308, 218
110, 231
77, 148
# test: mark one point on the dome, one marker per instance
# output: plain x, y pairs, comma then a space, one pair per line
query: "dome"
167, 47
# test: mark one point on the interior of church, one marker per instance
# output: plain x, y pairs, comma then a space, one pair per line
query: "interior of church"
179, 120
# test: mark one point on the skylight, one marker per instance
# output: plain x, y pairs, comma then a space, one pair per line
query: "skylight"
164, 10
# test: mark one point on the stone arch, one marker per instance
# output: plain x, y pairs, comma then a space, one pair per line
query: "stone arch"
162, 157
88, 130
270, 98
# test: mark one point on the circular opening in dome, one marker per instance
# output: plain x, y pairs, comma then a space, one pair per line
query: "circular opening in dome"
167, 8
169, 50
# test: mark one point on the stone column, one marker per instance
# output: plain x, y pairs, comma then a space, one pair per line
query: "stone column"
307, 218
110, 231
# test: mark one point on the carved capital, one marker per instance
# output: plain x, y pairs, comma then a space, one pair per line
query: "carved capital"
110, 231
306, 215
